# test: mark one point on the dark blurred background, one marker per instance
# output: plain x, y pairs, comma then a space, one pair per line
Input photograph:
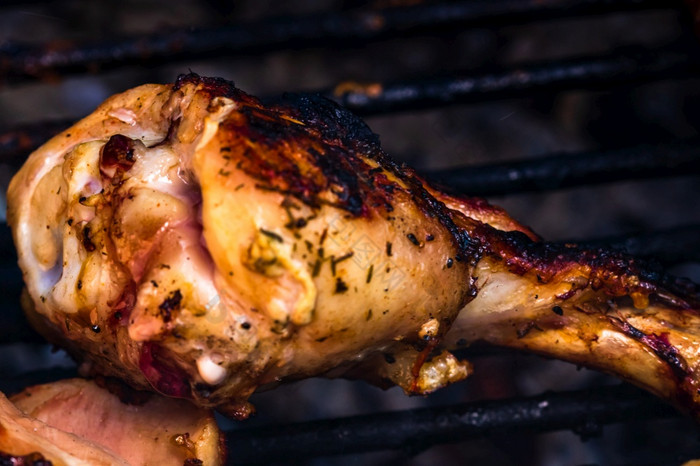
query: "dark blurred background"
535, 125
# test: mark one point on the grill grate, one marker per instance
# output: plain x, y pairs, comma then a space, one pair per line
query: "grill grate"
583, 412
18, 62
570, 170
632, 65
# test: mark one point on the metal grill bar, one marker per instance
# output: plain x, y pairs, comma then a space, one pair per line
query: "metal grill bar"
15, 384
20, 62
572, 170
584, 412
15, 3
631, 65
16, 143
668, 247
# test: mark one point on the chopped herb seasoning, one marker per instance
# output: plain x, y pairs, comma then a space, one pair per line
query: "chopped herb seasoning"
369, 273
87, 242
340, 286
523, 331
317, 268
412, 238
171, 303
272, 234
335, 261
558, 310
344, 257
388, 248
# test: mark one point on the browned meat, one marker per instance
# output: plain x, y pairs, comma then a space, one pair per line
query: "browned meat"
191, 239
75, 422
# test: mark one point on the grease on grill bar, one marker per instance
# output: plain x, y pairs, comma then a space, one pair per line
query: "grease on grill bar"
584, 412
20, 62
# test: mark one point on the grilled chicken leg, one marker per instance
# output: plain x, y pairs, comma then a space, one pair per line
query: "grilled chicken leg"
191, 239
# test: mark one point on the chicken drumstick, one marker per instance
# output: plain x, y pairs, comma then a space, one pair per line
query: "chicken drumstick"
190, 239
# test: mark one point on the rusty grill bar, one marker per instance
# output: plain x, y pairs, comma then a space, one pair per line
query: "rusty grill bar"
584, 412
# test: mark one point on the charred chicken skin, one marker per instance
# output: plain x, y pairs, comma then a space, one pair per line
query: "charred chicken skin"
196, 241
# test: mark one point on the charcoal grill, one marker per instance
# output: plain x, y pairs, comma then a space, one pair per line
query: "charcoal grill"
230, 38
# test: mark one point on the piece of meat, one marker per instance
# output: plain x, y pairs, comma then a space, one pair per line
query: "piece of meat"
24, 438
75, 422
191, 239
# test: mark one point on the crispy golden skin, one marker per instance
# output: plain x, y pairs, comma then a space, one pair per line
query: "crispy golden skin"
194, 240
